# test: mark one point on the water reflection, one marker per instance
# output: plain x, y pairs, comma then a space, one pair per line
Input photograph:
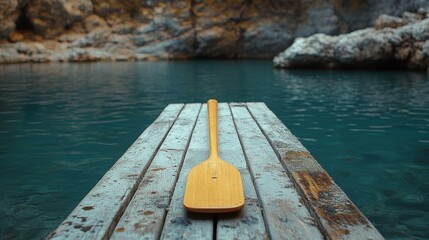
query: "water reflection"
367, 129
63, 125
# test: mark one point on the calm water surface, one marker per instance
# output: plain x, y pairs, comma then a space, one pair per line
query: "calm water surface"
62, 126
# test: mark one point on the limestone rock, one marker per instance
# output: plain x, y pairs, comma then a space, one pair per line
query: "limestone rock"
208, 29
31, 48
8, 16
319, 49
424, 11
124, 28
70, 37
50, 18
92, 22
365, 48
76, 10
86, 55
388, 21
217, 42
406, 47
11, 56
412, 17
45, 17
96, 38
177, 48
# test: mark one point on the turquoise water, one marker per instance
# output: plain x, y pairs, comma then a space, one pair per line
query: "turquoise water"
63, 125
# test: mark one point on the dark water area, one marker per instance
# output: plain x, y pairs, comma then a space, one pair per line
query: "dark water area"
62, 126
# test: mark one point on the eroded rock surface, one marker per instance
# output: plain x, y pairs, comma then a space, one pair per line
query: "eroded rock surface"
393, 43
92, 30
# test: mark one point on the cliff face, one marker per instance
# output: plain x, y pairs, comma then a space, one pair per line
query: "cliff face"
85, 30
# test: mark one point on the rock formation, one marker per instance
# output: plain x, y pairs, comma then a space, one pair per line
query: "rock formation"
393, 43
92, 30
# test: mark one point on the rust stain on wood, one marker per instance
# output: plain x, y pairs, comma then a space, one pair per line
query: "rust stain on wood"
322, 195
316, 184
87, 208
148, 213
137, 226
120, 229
297, 155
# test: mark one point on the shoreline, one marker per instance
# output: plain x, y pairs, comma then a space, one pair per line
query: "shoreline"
87, 31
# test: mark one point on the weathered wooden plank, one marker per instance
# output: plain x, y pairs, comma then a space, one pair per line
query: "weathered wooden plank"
338, 216
284, 210
178, 223
144, 216
97, 214
249, 222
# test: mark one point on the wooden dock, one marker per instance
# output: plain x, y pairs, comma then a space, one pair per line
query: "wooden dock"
288, 195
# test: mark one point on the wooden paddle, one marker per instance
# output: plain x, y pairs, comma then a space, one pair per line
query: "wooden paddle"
213, 186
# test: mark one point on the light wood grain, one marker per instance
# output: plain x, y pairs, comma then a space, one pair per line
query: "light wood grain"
212, 106
178, 223
338, 216
285, 214
144, 216
213, 186
97, 214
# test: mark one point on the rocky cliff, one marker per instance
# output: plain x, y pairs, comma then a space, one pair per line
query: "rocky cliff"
91, 30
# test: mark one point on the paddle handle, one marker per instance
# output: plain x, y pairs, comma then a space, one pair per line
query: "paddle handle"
212, 111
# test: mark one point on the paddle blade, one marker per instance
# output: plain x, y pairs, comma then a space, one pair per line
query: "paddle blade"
214, 187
